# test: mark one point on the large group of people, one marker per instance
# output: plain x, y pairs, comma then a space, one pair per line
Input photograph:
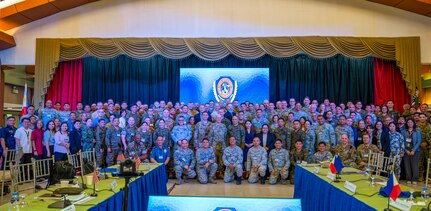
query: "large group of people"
229, 140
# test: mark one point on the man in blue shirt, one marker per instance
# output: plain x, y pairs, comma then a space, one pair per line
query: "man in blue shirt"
160, 153
7, 138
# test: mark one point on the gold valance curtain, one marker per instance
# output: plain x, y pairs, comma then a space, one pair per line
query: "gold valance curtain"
405, 50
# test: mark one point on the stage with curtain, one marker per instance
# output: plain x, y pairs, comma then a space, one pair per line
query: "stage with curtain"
342, 69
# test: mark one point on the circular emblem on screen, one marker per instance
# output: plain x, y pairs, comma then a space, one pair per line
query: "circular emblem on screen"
225, 88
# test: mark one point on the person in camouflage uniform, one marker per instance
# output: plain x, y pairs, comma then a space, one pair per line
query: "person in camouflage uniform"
259, 121
321, 155
217, 137
309, 139
364, 150
113, 142
206, 163
146, 136
87, 136
257, 162
180, 132
232, 159
425, 129
164, 132
341, 129
278, 163
201, 130
282, 133
297, 155
346, 151
99, 146
137, 149
325, 133
296, 133
397, 147
184, 160
237, 131
128, 132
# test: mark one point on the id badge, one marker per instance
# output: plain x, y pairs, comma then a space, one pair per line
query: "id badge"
160, 157
118, 135
365, 155
408, 140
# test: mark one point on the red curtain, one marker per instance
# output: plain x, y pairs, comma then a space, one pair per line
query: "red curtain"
389, 84
66, 85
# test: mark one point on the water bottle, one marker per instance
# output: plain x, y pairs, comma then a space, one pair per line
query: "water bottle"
425, 194
14, 200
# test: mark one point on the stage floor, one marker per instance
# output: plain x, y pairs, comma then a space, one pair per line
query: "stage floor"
194, 188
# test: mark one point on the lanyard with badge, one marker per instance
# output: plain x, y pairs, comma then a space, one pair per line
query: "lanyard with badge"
409, 141
27, 133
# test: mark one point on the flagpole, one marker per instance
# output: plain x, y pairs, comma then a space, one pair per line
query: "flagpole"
389, 200
94, 194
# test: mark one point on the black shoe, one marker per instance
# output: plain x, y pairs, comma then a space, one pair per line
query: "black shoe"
262, 180
238, 180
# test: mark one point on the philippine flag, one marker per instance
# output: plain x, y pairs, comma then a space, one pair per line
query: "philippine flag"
392, 188
24, 101
336, 165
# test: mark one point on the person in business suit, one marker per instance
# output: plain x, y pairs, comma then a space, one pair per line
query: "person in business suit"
198, 116
75, 138
229, 112
267, 138
381, 138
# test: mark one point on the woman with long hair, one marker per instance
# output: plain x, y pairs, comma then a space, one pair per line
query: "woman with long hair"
250, 133
37, 140
412, 142
49, 139
61, 146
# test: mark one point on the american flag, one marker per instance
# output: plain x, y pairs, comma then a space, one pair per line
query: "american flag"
95, 176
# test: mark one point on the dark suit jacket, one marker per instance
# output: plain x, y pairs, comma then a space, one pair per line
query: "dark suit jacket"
270, 140
198, 118
229, 115
384, 139
75, 139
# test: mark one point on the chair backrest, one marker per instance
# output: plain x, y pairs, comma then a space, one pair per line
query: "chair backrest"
9, 161
10, 158
374, 159
23, 173
87, 157
386, 165
75, 160
42, 168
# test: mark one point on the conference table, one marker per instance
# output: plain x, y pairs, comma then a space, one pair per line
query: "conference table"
317, 192
153, 183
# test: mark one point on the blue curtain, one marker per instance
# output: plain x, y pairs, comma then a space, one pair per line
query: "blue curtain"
337, 78
126, 79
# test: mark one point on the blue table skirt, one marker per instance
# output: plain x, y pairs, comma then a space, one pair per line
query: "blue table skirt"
317, 194
153, 183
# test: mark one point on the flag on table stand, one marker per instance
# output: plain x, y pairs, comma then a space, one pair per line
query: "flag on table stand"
392, 188
95, 176
138, 163
336, 165
24, 101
